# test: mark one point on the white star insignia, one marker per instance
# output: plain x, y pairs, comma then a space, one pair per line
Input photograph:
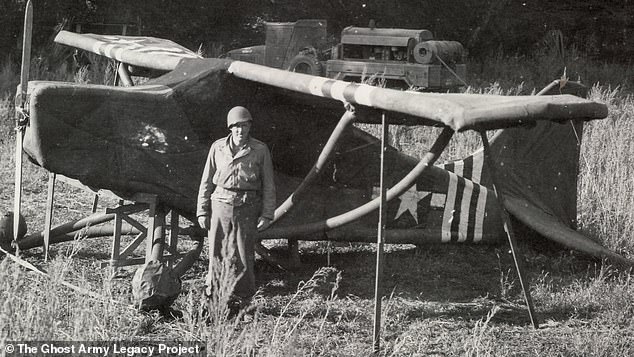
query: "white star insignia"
409, 202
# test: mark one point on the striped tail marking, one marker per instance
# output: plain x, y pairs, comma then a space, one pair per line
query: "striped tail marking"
464, 213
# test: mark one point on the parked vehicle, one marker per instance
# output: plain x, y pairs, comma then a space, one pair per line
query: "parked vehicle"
411, 58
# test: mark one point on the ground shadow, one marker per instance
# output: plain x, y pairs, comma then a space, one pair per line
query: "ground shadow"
462, 282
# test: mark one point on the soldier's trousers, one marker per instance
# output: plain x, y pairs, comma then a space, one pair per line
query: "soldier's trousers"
237, 225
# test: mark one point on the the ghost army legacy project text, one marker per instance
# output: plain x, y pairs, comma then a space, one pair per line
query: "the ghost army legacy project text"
104, 348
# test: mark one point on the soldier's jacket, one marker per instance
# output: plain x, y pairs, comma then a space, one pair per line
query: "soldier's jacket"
245, 177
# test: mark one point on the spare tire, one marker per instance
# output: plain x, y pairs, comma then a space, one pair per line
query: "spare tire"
449, 51
306, 64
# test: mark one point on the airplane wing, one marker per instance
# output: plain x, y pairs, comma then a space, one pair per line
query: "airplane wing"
147, 52
457, 111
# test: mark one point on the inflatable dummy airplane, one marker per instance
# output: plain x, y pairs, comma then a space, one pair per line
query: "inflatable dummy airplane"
153, 139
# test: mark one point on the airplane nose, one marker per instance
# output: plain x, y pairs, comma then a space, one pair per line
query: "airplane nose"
91, 133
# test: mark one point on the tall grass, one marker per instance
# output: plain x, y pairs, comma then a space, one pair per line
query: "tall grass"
34, 307
223, 335
480, 341
545, 65
605, 190
48, 310
7, 121
9, 77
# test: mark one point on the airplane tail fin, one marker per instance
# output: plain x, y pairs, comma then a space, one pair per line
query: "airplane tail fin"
537, 169
538, 164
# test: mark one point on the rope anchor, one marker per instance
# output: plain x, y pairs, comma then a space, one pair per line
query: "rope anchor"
22, 118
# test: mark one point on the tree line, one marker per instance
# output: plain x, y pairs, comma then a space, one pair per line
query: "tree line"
602, 29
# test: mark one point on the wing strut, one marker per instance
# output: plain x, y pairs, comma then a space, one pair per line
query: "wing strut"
123, 76
346, 120
334, 222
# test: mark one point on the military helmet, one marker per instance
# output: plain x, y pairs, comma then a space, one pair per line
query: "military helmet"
238, 115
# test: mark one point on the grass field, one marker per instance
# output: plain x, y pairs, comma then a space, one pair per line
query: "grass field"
440, 300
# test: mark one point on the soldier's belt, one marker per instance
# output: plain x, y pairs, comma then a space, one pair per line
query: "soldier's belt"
235, 197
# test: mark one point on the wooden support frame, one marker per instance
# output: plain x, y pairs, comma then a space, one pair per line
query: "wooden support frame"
118, 256
95, 203
153, 233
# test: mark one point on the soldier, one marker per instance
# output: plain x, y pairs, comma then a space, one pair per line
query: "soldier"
236, 199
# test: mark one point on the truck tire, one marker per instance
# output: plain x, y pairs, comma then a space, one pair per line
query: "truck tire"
305, 64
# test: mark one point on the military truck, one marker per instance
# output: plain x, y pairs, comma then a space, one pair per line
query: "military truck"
401, 57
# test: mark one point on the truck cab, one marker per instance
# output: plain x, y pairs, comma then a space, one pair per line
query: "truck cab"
286, 44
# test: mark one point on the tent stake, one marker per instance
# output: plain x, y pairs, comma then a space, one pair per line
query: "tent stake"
489, 162
49, 212
378, 287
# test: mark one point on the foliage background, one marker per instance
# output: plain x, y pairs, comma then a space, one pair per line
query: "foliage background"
602, 29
